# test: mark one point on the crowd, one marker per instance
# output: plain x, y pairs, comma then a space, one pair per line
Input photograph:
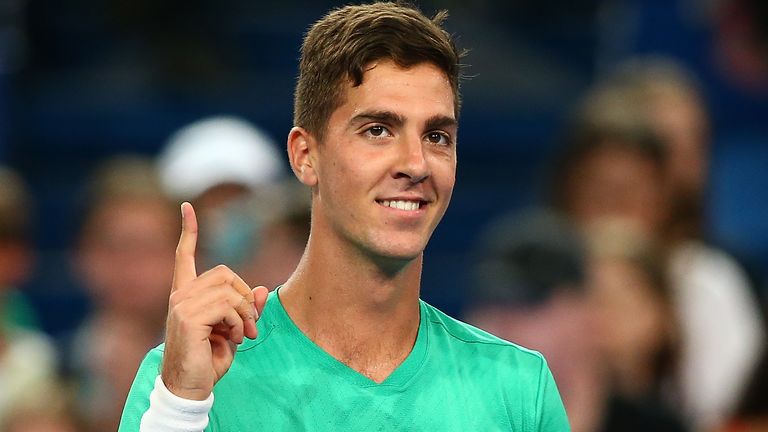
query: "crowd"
647, 327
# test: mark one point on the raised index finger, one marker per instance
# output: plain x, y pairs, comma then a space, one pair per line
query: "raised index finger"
184, 269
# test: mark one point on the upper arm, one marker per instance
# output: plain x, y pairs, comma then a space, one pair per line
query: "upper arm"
550, 412
137, 402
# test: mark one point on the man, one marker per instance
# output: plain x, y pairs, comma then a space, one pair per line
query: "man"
345, 343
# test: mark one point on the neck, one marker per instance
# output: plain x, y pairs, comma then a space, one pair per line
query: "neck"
361, 310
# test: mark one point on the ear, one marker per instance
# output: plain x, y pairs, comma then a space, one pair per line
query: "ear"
301, 153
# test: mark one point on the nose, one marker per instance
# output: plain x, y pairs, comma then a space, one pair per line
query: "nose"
412, 163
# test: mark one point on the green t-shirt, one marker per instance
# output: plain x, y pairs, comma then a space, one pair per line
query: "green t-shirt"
456, 378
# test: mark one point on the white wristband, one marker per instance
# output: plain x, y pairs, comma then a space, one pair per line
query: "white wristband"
170, 413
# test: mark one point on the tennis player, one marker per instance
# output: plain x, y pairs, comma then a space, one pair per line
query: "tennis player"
346, 344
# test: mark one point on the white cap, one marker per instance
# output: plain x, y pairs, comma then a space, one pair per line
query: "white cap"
214, 151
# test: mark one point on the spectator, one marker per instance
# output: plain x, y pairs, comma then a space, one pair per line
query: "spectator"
215, 163
616, 165
718, 355
124, 257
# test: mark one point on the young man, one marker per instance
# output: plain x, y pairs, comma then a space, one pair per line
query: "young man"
345, 343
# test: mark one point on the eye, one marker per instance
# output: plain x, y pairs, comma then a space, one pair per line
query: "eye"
377, 131
438, 138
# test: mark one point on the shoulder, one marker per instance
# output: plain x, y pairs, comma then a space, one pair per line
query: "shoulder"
466, 337
150, 365
497, 370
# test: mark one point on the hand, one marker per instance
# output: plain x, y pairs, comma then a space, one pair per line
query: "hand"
208, 315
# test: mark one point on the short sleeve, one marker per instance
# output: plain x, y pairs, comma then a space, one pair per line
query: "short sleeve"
138, 398
549, 406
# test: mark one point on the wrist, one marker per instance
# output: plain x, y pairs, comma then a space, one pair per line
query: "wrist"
183, 392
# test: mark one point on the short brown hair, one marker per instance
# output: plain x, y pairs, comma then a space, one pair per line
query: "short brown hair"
340, 45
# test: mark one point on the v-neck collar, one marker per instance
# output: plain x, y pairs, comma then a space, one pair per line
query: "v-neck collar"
398, 378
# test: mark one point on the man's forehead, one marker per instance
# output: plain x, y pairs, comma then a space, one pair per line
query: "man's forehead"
386, 82
370, 70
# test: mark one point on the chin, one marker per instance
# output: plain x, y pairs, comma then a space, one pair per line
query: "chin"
392, 247
404, 256
399, 252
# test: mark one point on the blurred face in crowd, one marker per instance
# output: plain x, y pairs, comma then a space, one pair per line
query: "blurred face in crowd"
614, 182
126, 255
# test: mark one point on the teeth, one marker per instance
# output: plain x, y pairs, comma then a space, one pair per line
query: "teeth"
402, 205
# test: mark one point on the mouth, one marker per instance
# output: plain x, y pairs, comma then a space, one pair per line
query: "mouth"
406, 205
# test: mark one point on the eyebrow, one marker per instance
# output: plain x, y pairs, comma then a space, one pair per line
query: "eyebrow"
388, 117
441, 122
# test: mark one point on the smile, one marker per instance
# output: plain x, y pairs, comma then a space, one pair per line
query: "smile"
401, 204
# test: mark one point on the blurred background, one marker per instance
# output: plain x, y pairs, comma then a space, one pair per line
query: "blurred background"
102, 101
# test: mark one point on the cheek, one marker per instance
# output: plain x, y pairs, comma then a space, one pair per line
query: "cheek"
339, 167
328, 176
444, 173
445, 185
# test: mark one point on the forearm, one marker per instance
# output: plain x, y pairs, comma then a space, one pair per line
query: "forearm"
170, 413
